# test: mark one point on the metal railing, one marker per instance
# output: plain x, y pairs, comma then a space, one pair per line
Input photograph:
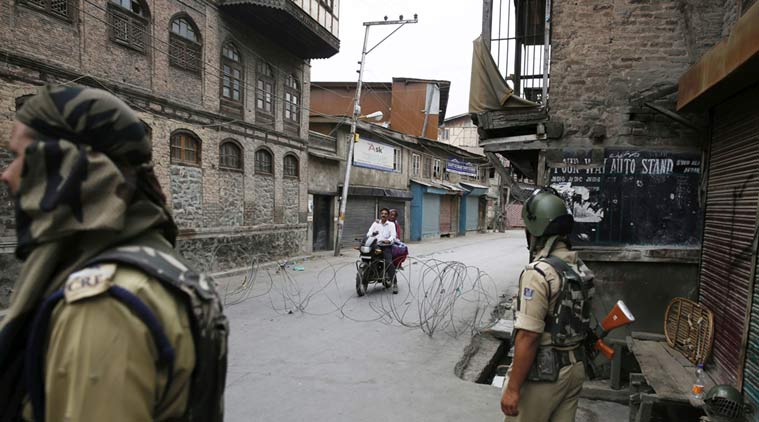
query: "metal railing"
520, 45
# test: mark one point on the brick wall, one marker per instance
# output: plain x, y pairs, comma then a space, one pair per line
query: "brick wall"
606, 53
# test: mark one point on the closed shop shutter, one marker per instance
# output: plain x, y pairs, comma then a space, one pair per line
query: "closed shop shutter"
446, 214
729, 227
751, 367
431, 215
398, 205
472, 212
360, 213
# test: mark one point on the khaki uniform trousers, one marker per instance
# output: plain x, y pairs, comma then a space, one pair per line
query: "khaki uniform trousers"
551, 401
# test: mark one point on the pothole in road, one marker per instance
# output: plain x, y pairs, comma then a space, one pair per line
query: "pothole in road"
486, 355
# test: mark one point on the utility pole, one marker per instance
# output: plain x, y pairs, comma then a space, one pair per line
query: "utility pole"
356, 114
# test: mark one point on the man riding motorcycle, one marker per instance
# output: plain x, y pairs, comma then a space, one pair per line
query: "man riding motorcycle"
383, 232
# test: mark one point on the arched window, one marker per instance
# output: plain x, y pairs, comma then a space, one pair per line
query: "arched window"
292, 99
232, 74
185, 48
185, 148
128, 23
265, 88
264, 162
230, 155
290, 166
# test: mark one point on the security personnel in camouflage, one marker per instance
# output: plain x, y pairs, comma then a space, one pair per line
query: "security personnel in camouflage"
552, 318
107, 322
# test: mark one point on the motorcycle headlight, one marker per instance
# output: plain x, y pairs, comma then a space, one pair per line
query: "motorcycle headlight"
366, 249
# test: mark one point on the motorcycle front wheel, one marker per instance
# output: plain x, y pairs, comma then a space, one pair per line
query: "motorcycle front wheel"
360, 286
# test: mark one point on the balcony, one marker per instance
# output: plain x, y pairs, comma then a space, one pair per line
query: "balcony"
307, 28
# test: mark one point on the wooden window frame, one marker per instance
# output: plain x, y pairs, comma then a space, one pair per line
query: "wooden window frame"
185, 53
437, 170
46, 6
265, 75
416, 164
136, 27
229, 104
397, 160
328, 4
257, 169
285, 167
240, 156
292, 91
182, 160
427, 167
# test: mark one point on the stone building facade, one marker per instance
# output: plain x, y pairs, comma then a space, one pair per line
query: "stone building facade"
224, 93
607, 135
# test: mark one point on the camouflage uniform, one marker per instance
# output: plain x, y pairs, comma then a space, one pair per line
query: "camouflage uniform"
88, 187
547, 401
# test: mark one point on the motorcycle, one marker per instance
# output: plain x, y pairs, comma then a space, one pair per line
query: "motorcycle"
370, 268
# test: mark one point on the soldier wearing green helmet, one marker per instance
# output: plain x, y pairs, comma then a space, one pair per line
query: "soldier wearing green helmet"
552, 318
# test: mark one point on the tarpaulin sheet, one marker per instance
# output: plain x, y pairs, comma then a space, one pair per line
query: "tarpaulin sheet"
488, 91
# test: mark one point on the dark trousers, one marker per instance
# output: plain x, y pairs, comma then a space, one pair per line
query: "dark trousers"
387, 254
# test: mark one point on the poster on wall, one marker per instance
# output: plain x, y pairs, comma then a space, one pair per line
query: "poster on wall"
464, 168
641, 197
374, 155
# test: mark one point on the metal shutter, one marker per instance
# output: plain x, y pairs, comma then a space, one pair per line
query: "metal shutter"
729, 228
360, 213
472, 212
431, 215
446, 214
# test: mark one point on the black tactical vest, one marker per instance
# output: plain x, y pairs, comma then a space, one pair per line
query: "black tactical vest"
210, 329
569, 322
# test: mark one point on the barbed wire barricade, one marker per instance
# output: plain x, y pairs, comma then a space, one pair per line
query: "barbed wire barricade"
435, 295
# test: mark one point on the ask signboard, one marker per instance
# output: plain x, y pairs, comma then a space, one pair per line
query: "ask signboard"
374, 155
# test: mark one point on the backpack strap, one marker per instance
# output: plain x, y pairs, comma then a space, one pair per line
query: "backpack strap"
35, 350
160, 265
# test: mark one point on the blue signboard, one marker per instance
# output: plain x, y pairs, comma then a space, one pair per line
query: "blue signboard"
461, 167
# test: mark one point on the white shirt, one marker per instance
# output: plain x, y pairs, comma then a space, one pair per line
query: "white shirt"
386, 232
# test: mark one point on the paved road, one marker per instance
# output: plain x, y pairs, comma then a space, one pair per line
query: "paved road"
304, 347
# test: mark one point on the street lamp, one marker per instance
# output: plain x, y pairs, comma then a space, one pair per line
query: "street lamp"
377, 115
357, 114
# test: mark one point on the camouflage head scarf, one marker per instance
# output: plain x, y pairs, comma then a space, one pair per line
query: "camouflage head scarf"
87, 185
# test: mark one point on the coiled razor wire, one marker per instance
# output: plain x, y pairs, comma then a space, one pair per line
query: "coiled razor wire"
435, 295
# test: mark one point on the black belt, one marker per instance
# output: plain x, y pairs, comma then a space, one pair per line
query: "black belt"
564, 358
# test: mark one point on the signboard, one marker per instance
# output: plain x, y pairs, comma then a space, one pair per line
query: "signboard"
461, 167
373, 155
631, 197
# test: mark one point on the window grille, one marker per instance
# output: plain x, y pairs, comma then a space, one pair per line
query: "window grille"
128, 26
291, 166
264, 163
230, 156
185, 50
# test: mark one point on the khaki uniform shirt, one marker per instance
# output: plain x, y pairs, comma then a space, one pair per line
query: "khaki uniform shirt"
534, 301
101, 358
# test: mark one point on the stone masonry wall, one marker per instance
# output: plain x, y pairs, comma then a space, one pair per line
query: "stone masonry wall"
231, 195
187, 196
606, 53
263, 208
217, 253
291, 200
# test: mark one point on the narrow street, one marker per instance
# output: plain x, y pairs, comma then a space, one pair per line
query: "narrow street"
305, 347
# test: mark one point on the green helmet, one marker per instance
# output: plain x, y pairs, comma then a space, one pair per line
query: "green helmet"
724, 403
546, 214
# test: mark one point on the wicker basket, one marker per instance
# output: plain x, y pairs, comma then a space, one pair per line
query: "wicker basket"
689, 328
